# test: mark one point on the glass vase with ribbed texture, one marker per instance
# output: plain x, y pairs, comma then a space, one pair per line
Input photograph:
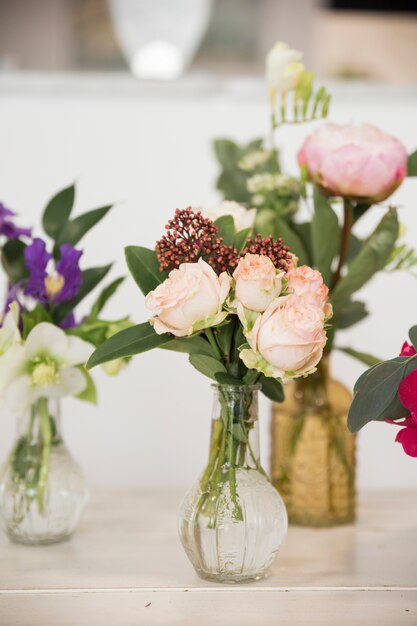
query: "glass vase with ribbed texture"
42, 488
313, 462
232, 522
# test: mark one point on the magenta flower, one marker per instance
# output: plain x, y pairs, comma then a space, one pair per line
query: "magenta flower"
407, 349
7, 226
48, 282
407, 436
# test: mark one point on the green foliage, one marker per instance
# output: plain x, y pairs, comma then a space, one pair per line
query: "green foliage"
271, 388
58, 211
325, 235
232, 179
290, 238
133, 340
226, 226
74, 230
240, 239
402, 258
412, 333
195, 344
412, 164
144, 267
352, 313
372, 258
303, 105
12, 256
207, 365
376, 393
90, 279
90, 392
36, 316
364, 357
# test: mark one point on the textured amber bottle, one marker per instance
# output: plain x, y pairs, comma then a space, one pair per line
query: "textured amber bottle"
313, 453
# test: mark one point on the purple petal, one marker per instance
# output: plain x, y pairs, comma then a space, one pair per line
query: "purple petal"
8, 228
69, 322
68, 267
36, 259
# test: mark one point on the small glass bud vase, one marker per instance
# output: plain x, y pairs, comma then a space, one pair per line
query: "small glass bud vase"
42, 488
233, 522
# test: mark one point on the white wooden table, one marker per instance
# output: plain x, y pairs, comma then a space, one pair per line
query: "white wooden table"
126, 567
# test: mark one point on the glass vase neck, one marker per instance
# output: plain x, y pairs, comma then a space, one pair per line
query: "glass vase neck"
43, 411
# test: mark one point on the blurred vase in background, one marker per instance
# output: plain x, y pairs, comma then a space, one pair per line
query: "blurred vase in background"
313, 452
159, 37
42, 488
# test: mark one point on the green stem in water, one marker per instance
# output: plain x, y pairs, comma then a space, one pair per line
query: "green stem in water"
213, 343
46, 434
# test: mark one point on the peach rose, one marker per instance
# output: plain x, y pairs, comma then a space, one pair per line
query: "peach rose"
190, 299
287, 340
258, 282
306, 282
354, 161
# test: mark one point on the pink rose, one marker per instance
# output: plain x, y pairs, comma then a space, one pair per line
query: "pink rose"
258, 282
306, 282
287, 340
354, 161
190, 299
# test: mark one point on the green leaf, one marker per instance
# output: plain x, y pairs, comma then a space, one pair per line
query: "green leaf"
75, 229
13, 260
57, 212
90, 392
271, 388
232, 180
227, 379
240, 239
412, 164
325, 235
376, 392
303, 230
239, 433
354, 247
207, 365
90, 279
366, 358
372, 258
144, 267
34, 317
412, 333
128, 342
290, 239
226, 226
224, 336
105, 295
191, 345
351, 314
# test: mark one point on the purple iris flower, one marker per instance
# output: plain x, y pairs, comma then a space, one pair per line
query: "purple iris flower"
52, 287
8, 228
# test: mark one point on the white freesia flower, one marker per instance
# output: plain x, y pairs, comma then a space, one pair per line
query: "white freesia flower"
242, 217
284, 69
45, 366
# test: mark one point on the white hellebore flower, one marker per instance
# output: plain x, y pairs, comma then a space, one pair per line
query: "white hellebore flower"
284, 69
9, 331
242, 217
45, 366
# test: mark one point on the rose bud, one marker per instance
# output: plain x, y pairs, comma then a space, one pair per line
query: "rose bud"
258, 282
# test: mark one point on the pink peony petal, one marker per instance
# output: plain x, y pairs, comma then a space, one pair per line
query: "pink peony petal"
408, 391
407, 437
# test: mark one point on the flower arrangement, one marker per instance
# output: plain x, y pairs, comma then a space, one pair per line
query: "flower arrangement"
388, 391
44, 342
249, 318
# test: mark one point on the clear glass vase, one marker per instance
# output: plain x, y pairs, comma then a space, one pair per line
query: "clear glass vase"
233, 522
313, 453
42, 488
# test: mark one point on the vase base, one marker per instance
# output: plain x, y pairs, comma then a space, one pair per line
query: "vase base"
231, 579
37, 541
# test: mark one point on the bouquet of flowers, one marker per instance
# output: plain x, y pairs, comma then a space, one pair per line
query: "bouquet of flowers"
388, 392
249, 317
44, 344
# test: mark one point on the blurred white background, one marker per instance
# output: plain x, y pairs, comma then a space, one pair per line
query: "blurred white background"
147, 147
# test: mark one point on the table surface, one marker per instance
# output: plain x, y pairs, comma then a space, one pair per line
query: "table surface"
125, 567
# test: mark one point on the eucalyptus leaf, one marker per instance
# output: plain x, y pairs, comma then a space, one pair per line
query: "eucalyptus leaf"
412, 333
144, 267
58, 211
227, 379
351, 314
133, 340
325, 235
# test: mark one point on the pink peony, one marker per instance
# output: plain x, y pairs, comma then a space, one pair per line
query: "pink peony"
354, 161
287, 340
258, 282
306, 282
407, 436
190, 299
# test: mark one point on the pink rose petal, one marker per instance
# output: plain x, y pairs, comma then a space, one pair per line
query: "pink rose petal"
407, 437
